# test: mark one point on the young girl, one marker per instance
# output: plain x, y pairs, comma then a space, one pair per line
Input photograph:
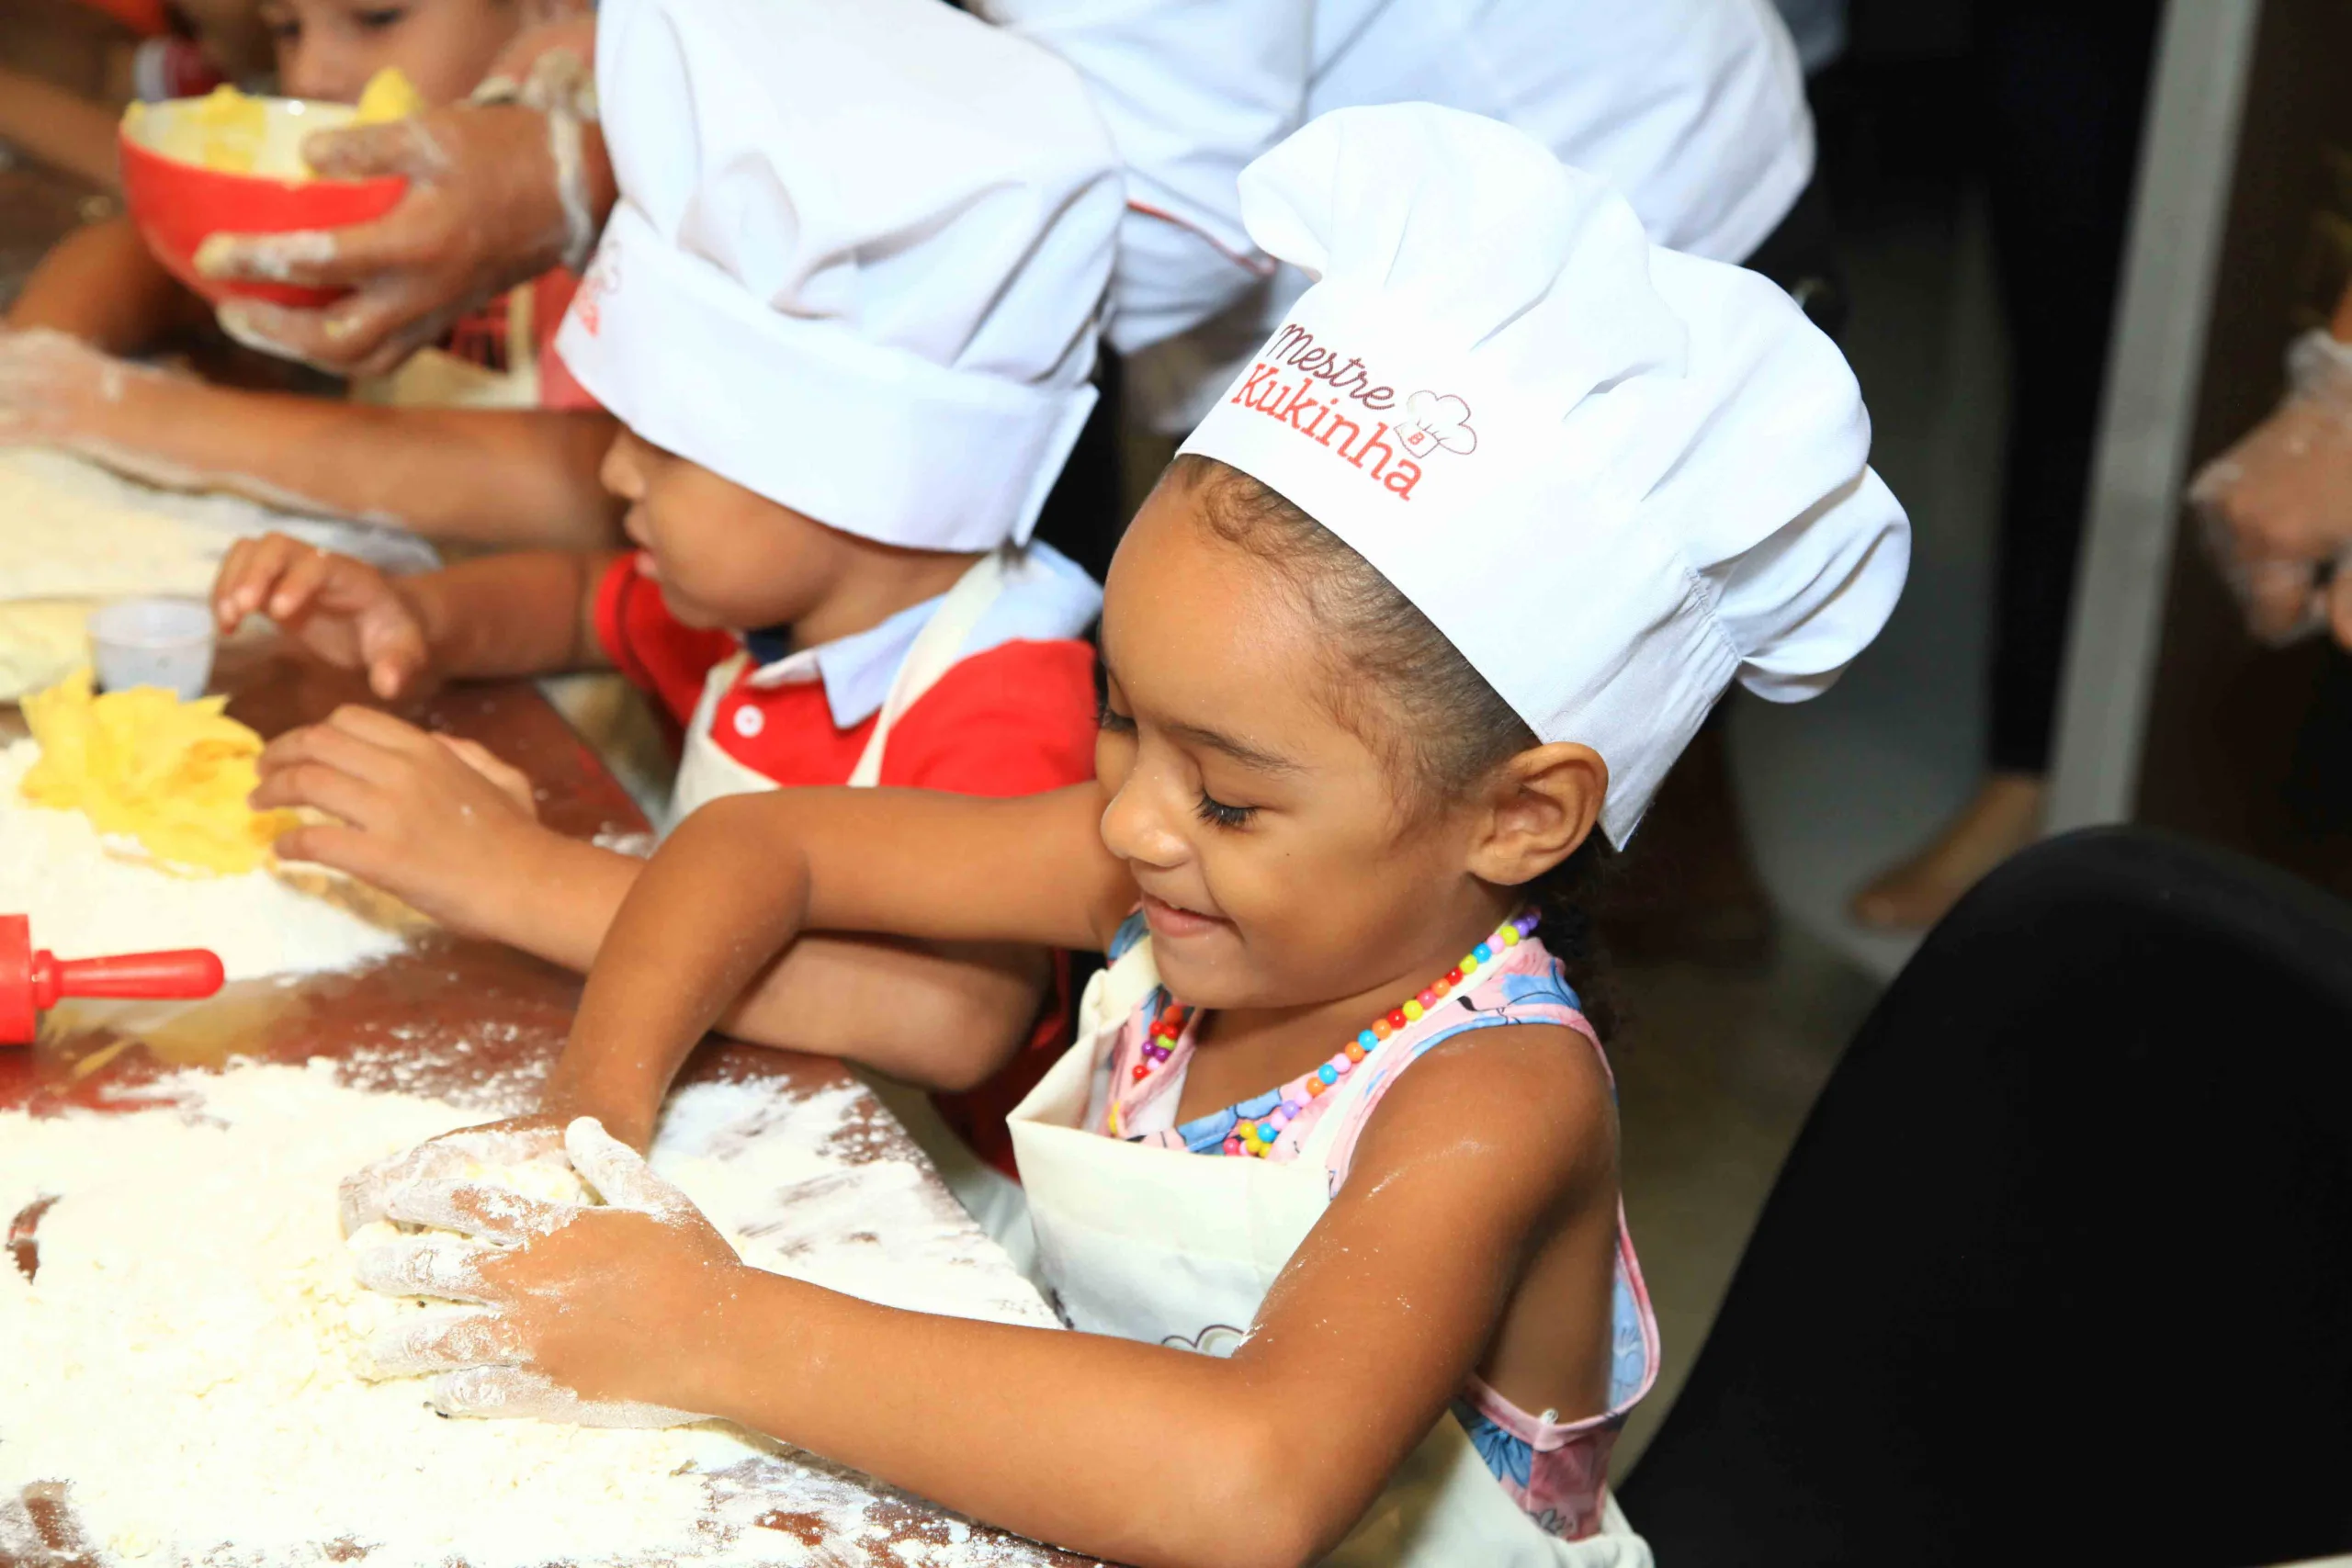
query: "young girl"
494, 444
1412, 631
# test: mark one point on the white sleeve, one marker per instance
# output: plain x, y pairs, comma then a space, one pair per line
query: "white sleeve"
1192, 91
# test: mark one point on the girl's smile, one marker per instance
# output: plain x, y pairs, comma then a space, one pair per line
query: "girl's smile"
1172, 922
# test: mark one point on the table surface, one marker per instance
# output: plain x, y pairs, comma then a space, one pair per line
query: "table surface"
470, 1021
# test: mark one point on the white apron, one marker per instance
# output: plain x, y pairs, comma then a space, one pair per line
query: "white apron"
706, 773
1170, 1247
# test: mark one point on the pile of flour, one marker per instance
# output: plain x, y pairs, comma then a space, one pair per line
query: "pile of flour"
86, 900
185, 1359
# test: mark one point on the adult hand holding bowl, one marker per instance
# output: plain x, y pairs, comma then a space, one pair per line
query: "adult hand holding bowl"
494, 192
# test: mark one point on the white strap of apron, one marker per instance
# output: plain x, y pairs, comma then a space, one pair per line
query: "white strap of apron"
933, 654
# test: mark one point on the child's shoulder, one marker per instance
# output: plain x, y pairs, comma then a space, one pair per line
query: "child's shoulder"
1534, 1098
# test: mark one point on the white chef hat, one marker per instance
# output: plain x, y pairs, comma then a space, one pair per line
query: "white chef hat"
857, 260
1616, 478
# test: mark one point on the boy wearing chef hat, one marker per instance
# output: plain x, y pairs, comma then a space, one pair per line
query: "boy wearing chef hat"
1408, 637
845, 314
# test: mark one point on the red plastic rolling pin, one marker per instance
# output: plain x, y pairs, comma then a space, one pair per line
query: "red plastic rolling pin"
34, 980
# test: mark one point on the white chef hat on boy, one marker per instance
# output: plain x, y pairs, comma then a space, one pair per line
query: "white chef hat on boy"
857, 260
1616, 478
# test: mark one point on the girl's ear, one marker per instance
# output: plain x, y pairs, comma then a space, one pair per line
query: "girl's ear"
1539, 808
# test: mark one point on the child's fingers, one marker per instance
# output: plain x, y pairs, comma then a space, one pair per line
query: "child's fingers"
380, 731
306, 572
445, 1266
330, 746
323, 787
362, 1194
351, 850
443, 1342
512, 780
478, 1209
617, 1172
248, 574
511, 1391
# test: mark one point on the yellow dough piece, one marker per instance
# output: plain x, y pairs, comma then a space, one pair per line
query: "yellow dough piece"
230, 132
388, 96
144, 765
224, 129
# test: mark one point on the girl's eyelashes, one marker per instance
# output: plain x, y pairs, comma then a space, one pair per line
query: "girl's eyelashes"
1110, 718
1217, 814
377, 19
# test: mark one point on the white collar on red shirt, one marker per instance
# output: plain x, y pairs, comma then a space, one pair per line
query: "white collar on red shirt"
1046, 596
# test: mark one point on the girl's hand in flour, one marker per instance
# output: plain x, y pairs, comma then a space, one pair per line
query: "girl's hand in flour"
437, 822
365, 1196
343, 611
569, 1301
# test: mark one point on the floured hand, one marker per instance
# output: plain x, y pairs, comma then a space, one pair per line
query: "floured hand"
364, 1196
497, 194
569, 1308
2277, 505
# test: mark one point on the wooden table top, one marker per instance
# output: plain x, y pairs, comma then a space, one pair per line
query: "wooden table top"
473, 1023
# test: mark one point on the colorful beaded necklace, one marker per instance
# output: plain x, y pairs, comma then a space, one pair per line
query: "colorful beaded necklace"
1256, 1138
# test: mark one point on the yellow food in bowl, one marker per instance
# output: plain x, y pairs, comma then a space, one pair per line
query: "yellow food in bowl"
141, 764
239, 134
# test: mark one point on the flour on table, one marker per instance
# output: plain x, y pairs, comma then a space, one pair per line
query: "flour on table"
186, 1358
86, 900
73, 536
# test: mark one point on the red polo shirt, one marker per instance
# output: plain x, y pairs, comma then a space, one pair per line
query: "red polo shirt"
1015, 718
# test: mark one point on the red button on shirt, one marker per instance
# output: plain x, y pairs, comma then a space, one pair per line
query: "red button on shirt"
1015, 719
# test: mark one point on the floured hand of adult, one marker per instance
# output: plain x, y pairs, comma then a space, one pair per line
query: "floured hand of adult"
441, 824
569, 1311
56, 390
497, 194
342, 610
2276, 507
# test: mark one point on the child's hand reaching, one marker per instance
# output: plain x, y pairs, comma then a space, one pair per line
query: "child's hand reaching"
345, 611
570, 1304
448, 831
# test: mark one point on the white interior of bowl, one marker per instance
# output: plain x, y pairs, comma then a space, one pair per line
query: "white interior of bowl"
286, 122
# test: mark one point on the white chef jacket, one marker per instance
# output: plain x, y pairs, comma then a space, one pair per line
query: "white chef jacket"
1693, 108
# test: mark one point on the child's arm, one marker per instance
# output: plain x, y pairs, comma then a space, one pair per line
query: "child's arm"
497, 477
418, 820
1496, 1151
59, 126
102, 283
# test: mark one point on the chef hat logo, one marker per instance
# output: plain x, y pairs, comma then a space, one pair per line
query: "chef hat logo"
1435, 421
603, 279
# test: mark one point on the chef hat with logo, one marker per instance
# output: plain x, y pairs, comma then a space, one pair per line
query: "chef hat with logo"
857, 260
1616, 478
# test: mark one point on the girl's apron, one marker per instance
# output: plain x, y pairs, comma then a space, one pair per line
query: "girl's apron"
1176, 1248
706, 773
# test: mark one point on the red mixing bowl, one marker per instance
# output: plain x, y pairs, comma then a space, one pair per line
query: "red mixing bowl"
177, 204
